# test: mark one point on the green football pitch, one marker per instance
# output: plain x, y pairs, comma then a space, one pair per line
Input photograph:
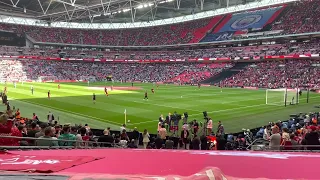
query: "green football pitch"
72, 103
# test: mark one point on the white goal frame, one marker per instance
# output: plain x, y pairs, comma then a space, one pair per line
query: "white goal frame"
292, 100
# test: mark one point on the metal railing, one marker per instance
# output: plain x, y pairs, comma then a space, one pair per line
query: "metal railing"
74, 144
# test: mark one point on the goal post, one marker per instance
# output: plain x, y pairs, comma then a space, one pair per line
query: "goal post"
282, 97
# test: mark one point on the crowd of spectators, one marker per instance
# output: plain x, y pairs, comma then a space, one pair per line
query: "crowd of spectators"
24, 70
300, 132
302, 129
299, 17
170, 34
306, 48
278, 74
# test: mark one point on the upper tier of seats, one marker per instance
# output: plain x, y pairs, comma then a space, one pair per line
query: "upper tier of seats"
297, 17
232, 52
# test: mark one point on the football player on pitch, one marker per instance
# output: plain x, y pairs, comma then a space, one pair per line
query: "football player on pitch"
94, 98
145, 96
106, 91
49, 94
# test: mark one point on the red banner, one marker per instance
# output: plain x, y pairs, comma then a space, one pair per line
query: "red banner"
41, 164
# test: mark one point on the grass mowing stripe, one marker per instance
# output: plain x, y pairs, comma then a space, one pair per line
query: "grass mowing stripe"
63, 110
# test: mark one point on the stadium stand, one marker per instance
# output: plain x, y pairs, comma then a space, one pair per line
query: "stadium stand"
274, 74
194, 31
223, 52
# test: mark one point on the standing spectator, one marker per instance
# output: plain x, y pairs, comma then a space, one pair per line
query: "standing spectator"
136, 136
275, 139
145, 139
185, 138
163, 134
35, 117
106, 140
312, 139
66, 136
48, 133
87, 127
50, 117
220, 128
123, 127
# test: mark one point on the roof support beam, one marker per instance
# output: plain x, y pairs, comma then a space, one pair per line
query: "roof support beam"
178, 4
201, 4
133, 14
14, 4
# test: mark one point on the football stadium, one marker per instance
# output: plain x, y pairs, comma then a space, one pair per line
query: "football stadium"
175, 89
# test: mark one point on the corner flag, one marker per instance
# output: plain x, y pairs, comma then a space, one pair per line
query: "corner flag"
125, 116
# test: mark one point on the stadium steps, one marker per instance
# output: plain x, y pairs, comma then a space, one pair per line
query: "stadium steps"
226, 73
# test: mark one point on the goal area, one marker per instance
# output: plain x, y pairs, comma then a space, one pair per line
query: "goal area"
282, 97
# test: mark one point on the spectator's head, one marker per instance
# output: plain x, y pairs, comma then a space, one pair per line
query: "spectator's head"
275, 130
124, 125
48, 131
66, 129
313, 128
292, 136
145, 131
43, 126
285, 130
74, 129
83, 131
4, 118
33, 114
33, 125
21, 128
106, 132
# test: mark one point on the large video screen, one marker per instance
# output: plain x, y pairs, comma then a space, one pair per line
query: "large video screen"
12, 39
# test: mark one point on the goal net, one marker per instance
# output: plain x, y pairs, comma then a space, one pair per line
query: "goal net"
282, 96
46, 78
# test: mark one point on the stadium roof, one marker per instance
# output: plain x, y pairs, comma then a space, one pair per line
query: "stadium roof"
44, 12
